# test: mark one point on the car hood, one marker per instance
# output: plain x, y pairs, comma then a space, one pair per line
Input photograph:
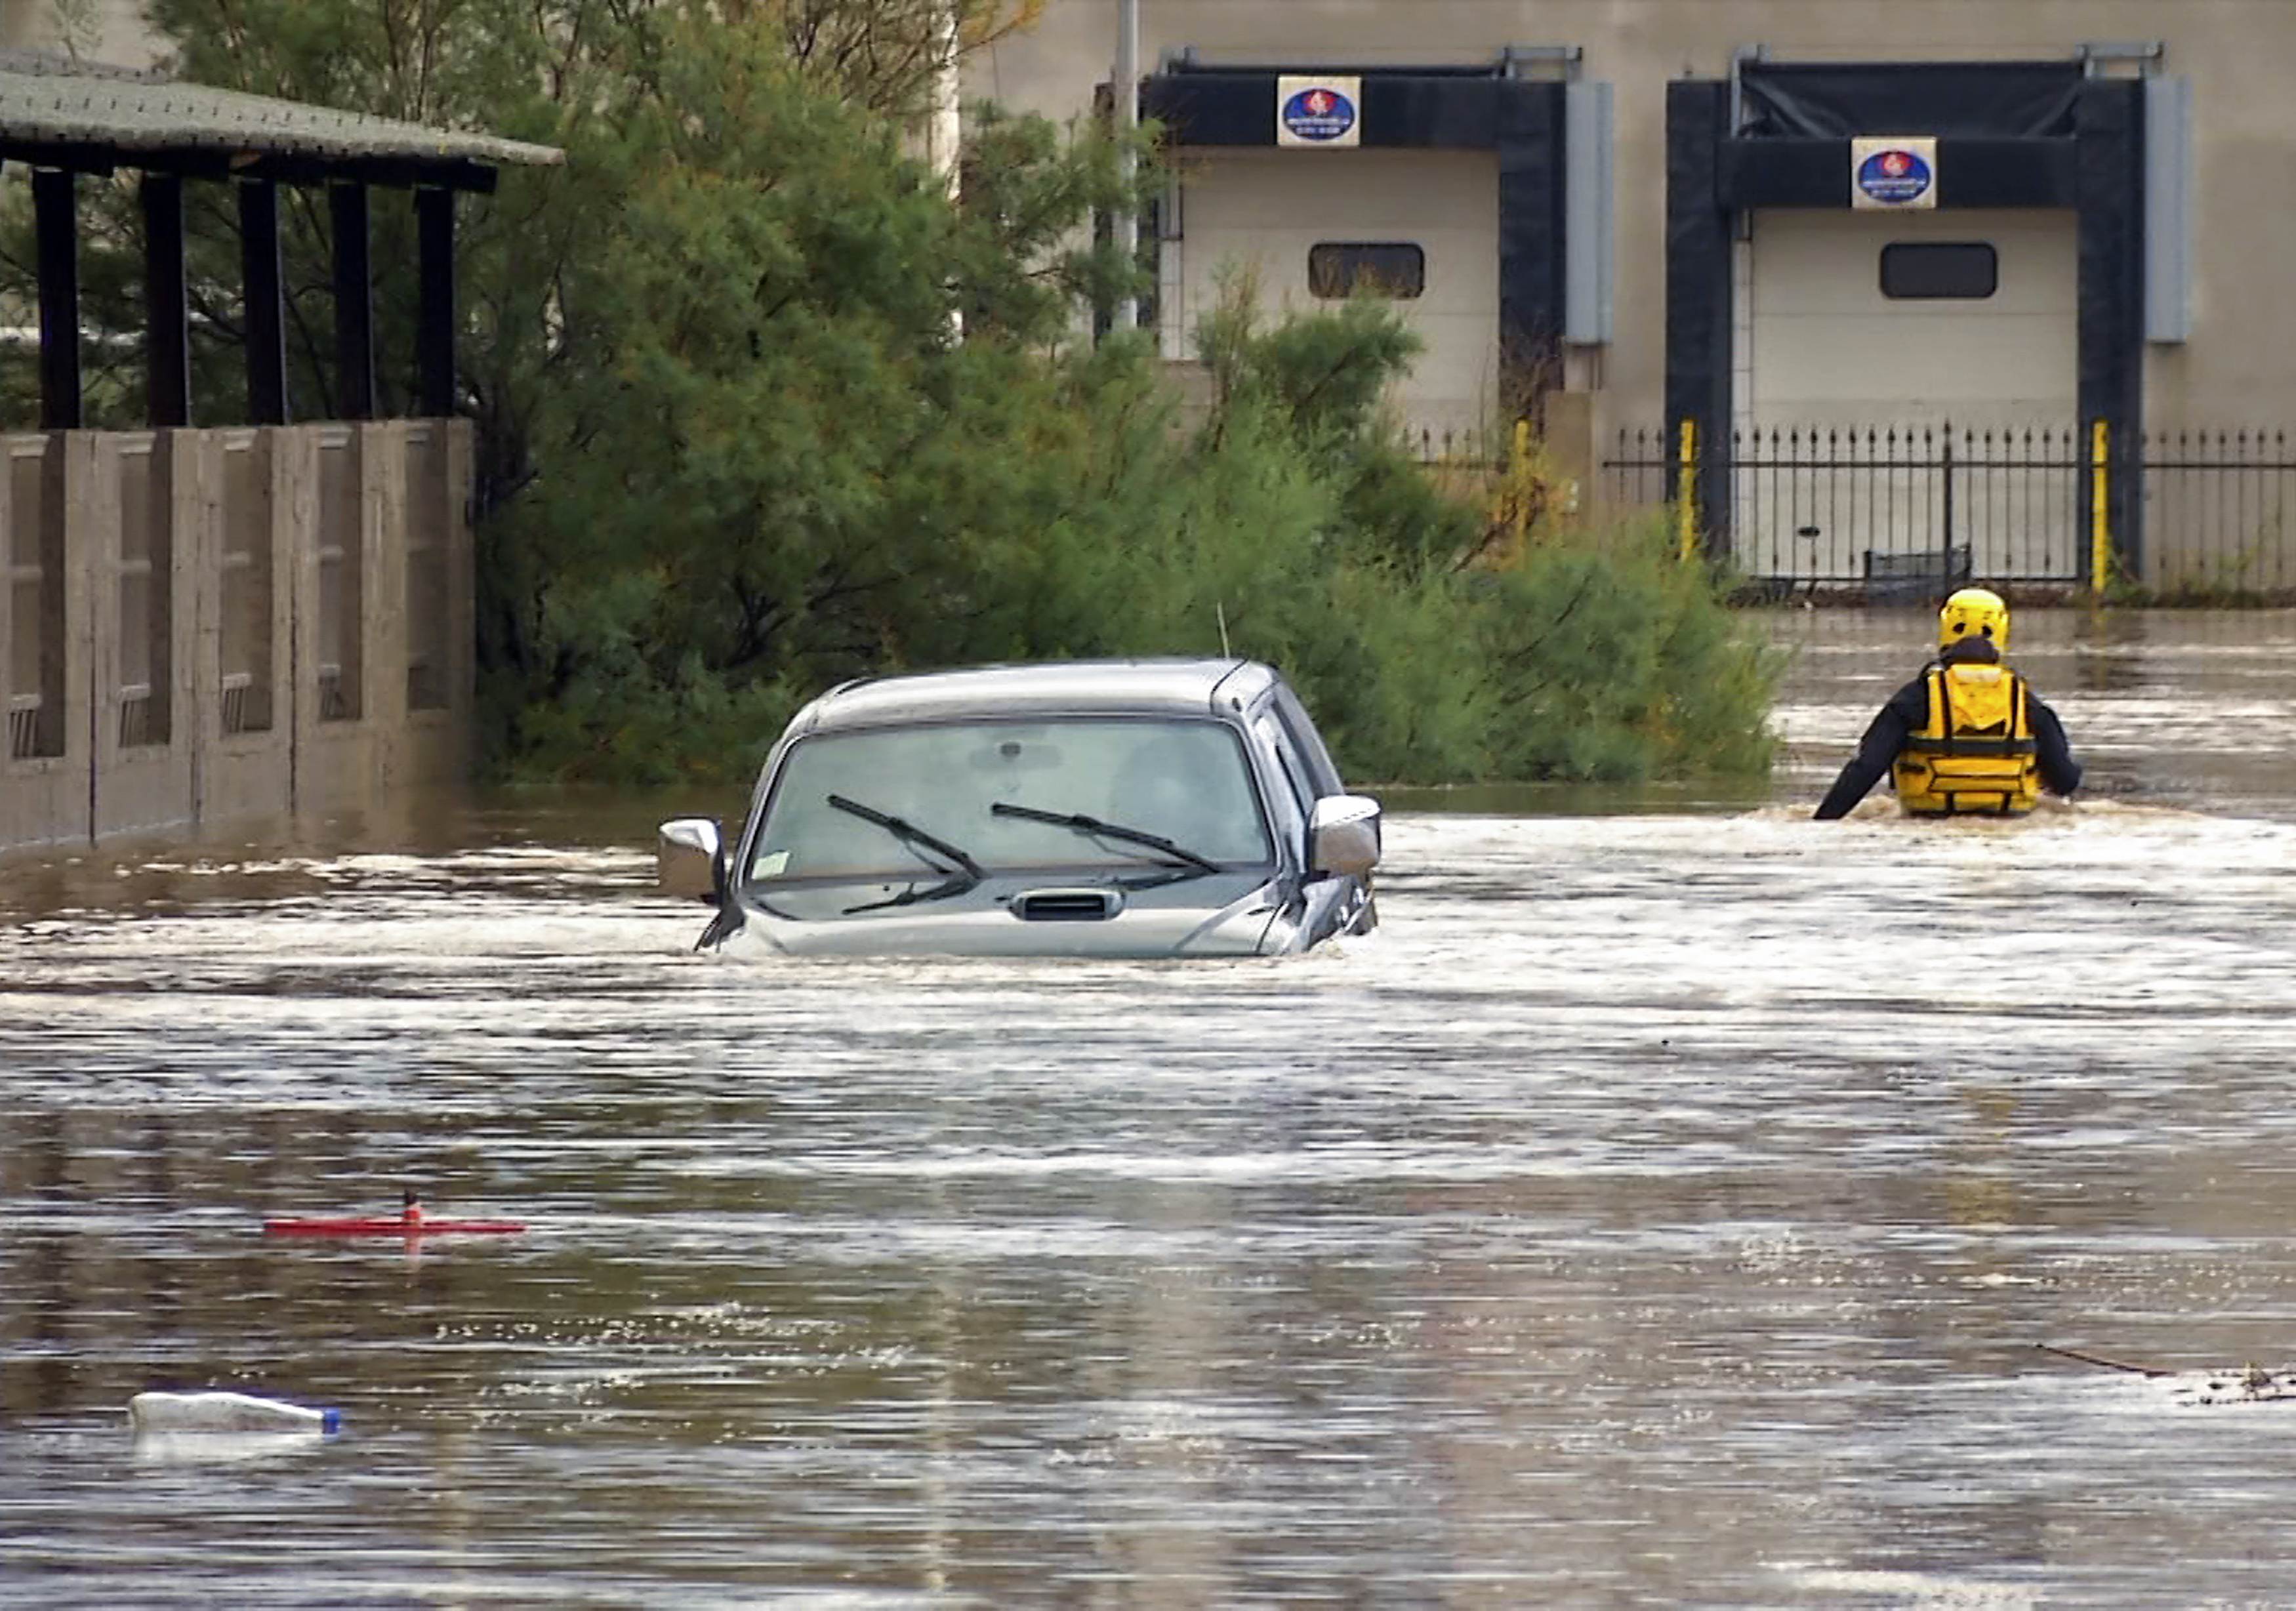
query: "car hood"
1227, 913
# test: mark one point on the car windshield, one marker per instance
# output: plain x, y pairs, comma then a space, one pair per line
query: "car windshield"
920, 802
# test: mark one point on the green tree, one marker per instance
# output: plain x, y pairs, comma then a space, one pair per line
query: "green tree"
773, 460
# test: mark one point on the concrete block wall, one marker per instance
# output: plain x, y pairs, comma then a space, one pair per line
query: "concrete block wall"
203, 627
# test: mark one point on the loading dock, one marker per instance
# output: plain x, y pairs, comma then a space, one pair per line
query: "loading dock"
1302, 229
1779, 302
1452, 182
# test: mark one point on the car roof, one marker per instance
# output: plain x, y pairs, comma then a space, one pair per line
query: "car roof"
1066, 687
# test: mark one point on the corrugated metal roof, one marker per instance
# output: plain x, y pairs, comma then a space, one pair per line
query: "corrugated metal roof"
44, 101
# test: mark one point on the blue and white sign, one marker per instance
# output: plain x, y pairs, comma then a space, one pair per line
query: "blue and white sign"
1318, 112
1893, 172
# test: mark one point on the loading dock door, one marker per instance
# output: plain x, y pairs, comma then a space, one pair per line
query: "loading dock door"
1865, 325
1264, 212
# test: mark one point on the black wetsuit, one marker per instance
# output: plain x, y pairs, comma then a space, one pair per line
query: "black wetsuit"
1909, 709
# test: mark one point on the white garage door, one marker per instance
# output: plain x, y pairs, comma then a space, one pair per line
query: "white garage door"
1861, 322
1829, 347
1265, 214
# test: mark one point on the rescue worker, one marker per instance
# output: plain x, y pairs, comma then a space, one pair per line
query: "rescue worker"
1967, 736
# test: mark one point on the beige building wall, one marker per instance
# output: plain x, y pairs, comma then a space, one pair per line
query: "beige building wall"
2239, 366
109, 31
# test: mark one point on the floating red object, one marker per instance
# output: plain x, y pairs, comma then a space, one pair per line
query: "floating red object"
409, 1221
396, 1226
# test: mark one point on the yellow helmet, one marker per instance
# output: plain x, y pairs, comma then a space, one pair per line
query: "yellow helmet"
1973, 612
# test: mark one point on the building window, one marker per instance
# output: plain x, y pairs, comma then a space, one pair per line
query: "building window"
1382, 268
1938, 270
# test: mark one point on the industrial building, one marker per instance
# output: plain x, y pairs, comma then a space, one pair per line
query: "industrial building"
1986, 284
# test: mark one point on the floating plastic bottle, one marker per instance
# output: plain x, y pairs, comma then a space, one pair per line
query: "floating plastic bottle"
225, 1412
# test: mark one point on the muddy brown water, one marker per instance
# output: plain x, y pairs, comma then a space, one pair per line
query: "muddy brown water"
1663, 1208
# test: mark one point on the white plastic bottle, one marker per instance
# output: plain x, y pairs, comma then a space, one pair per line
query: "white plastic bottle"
225, 1412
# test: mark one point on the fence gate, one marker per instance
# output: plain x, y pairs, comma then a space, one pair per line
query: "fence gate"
1890, 508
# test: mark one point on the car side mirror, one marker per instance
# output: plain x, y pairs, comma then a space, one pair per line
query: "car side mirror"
1343, 835
690, 859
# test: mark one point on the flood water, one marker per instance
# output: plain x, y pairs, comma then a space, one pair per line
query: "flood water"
1667, 1207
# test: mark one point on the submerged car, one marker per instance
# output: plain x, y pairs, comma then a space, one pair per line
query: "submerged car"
1091, 808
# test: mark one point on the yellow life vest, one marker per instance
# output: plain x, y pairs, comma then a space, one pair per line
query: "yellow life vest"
1974, 753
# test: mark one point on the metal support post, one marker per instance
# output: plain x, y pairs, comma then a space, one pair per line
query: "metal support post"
1127, 92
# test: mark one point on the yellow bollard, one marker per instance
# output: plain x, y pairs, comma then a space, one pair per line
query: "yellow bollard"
2100, 515
1685, 503
1520, 489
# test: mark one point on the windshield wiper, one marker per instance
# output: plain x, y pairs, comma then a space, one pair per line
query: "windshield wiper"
909, 834
955, 884
1093, 828
1167, 873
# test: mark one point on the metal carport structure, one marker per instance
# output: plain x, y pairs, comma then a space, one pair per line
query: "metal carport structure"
63, 120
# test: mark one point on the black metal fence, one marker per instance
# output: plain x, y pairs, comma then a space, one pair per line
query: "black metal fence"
1889, 507
1914, 509
2220, 514
1453, 446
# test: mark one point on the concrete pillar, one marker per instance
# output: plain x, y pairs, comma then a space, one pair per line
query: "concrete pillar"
92, 537
1567, 429
71, 483
196, 509
278, 521
295, 520
382, 600
462, 583
184, 512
